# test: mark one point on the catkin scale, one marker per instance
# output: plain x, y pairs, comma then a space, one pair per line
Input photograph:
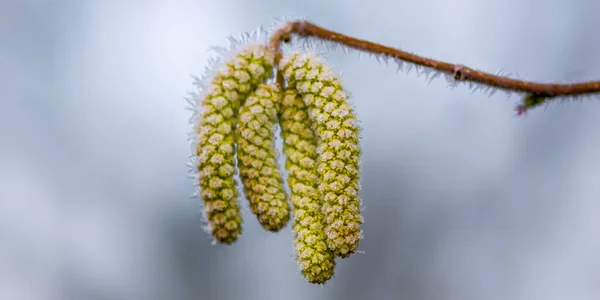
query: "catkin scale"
257, 158
338, 150
314, 258
215, 130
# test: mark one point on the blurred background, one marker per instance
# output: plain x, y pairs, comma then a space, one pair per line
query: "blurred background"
462, 199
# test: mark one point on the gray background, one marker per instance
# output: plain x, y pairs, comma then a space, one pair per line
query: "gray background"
462, 200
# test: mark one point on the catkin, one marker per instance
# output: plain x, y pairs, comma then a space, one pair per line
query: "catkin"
338, 150
216, 138
314, 258
257, 157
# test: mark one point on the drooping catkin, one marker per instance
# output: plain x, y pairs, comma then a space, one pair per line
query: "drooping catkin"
257, 157
314, 258
216, 138
338, 150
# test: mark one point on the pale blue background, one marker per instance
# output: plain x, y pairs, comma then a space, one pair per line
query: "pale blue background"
462, 200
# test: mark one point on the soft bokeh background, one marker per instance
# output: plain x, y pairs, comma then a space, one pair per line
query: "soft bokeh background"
462, 200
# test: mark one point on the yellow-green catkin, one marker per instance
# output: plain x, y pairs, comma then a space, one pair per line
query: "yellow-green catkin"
215, 159
316, 261
336, 127
257, 157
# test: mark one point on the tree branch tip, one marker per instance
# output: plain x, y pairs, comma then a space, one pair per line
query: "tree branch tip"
454, 73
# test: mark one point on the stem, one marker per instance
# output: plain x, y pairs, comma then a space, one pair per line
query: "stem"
457, 71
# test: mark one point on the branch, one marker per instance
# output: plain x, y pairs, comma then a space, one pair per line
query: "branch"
536, 90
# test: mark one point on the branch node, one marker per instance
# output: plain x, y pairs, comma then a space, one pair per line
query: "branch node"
458, 72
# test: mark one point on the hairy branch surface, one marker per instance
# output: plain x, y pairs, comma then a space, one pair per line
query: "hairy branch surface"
459, 72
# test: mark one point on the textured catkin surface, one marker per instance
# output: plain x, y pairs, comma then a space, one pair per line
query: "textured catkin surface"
338, 150
257, 157
315, 259
216, 136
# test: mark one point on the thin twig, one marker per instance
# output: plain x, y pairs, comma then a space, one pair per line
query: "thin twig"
457, 71
282, 34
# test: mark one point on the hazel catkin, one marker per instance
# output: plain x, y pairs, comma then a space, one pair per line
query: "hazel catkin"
257, 157
314, 258
215, 138
336, 127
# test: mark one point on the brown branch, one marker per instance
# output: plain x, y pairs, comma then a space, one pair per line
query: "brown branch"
457, 71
